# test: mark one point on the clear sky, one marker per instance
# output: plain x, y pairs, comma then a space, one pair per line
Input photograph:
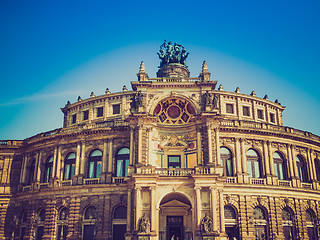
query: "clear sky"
53, 51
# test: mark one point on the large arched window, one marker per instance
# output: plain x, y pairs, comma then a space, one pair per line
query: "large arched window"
317, 165
89, 223
288, 224
226, 161
48, 169
302, 169
31, 170
122, 159
254, 165
280, 168
62, 223
311, 224
95, 160
231, 222
260, 224
119, 223
69, 166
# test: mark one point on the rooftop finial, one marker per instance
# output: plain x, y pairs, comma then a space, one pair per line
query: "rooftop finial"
142, 68
204, 67
204, 75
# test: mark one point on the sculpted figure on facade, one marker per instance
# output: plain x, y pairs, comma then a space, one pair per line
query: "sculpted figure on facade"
170, 53
136, 101
206, 224
144, 224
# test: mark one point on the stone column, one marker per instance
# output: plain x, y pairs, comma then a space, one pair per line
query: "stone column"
238, 156
290, 160
110, 160
210, 160
138, 206
310, 165
198, 202
77, 167
58, 163
243, 157
131, 146
266, 158
270, 158
129, 211
313, 165
55, 157
214, 208
217, 146
222, 218
199, 146
140, 144
23, 167
83, 159
294, 162
38, 170
104, 157
153, 208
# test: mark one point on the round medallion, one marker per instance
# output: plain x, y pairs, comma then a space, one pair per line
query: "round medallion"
174, 111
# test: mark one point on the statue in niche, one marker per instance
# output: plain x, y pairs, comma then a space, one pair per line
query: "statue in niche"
144, 224
206, 99
206, 224
136, 101
215, 101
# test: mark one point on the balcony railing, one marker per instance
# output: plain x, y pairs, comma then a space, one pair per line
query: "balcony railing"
306, 185
230, 180
26, 188
174, 171
258, 181
284, 183
66, 183
91, 181
43, 185
119, 179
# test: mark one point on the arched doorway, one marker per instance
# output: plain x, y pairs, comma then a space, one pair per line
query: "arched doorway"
175, 217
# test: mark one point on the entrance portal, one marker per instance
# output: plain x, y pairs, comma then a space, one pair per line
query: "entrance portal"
175, 227
175, 218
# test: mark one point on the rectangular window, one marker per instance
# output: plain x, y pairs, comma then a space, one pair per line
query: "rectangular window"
229, 108
99, 111
260, 114
73, 118
85, 115
272, 118
116, 109
174, 161
246, 111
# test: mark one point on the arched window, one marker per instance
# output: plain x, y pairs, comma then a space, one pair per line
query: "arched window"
260, 224
122, 159
253, 161
302, 169
23, 224
62, 223
226, 161
231, 222
31, 170
310, 221
89, 223
288, 224
40, 221
317, 165
119, 223
280, 168
48, 169
69, 166
95, 160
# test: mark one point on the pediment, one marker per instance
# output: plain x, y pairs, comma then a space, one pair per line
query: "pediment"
175, 203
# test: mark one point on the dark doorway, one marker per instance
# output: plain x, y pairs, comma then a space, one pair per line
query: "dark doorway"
174, 161
232, 232
40, 233
119, 231
175, 227
88, 232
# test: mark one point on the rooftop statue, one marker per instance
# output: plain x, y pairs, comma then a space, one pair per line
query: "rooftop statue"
170, 53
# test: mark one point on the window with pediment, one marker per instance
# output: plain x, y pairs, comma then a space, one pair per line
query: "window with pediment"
260, 223
288, 224
89, 223
62, 224
174, 111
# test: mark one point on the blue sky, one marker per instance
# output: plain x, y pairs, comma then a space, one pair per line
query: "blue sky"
54, 51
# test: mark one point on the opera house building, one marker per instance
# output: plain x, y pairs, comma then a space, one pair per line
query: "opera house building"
175, 158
